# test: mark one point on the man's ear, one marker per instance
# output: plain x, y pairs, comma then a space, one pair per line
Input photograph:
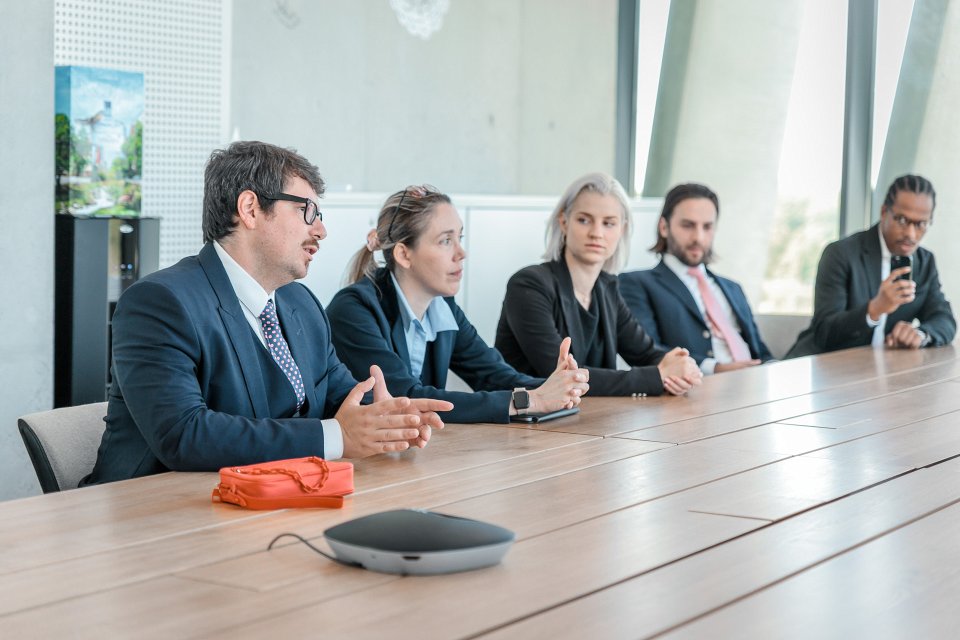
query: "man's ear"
248, 209
401, 255
662, 227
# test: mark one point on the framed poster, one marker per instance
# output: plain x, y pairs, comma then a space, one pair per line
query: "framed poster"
98, 141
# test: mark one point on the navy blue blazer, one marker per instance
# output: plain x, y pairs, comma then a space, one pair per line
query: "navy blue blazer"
661, 303
848, 276
368, 329
188, 392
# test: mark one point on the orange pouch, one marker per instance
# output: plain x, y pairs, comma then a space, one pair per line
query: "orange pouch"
281, 484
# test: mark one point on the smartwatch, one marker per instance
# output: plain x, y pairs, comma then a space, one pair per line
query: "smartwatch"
521, 400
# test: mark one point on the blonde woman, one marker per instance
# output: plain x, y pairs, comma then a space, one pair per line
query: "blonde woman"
575, 293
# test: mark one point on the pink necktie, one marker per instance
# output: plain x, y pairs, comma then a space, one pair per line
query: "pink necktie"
738, 348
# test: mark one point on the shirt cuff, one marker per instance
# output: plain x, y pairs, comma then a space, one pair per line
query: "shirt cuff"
875, 323
707, 366
332, 439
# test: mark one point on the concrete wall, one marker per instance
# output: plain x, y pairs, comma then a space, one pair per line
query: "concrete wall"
26, 244
507, 97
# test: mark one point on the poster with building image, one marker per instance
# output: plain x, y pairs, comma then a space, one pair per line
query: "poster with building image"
98, 141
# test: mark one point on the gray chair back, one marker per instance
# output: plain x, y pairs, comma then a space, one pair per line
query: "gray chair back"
62, 443
779, 332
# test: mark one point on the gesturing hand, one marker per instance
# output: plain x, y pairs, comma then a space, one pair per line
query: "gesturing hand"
389, 424
564, 387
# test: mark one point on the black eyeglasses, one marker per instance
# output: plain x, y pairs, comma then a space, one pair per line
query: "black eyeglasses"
417, 192
310, 212
393, 219
903, 222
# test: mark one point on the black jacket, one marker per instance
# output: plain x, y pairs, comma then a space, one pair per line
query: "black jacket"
540, 309
848, 277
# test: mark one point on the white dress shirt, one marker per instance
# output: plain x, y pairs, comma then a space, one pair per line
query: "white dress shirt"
253, 299
721, 351
880, 325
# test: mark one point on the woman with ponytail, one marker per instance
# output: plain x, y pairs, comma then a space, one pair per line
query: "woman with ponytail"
402, 317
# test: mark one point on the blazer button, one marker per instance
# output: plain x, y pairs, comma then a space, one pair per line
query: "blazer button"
706, 335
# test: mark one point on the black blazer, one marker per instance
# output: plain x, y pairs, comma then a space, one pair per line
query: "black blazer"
368, 329
540, 309
664, 307
188, 393
848, 277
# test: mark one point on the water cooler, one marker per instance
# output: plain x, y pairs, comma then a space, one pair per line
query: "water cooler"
97, 258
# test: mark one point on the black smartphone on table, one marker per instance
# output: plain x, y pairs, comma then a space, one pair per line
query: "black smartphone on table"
543, 417
901, 261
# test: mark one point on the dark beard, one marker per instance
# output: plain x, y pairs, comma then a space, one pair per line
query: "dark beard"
674, 249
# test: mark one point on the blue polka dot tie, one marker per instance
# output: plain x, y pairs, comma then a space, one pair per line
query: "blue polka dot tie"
280, 351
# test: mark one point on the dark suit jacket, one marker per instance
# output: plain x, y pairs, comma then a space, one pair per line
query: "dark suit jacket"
188, 392
848, 277
368, 329
664, 307
540, 309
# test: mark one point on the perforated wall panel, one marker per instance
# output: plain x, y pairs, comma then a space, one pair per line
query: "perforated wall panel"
178, 46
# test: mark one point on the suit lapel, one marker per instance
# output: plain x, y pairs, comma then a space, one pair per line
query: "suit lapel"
300, 347
391, 311
669, 280
870, 257
238, 330
607, 304
569, 309
442, 348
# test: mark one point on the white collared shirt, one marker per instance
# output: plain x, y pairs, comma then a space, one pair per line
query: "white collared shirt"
721, 351
253, 298
418, 332
879, 327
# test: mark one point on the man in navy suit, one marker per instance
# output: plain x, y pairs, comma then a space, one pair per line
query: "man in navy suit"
223, 360
680, 302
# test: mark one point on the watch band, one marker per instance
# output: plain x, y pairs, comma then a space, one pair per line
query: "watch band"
521, 400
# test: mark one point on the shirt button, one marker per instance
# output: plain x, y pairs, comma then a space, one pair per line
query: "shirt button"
706, 335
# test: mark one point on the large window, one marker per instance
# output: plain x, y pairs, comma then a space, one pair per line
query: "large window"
918, 46
809, 174
750, 101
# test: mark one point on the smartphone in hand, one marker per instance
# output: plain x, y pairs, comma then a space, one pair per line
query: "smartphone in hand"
901, 261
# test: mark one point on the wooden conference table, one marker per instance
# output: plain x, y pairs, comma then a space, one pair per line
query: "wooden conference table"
817, 497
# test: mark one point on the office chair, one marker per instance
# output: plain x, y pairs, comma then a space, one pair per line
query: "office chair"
62, 443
